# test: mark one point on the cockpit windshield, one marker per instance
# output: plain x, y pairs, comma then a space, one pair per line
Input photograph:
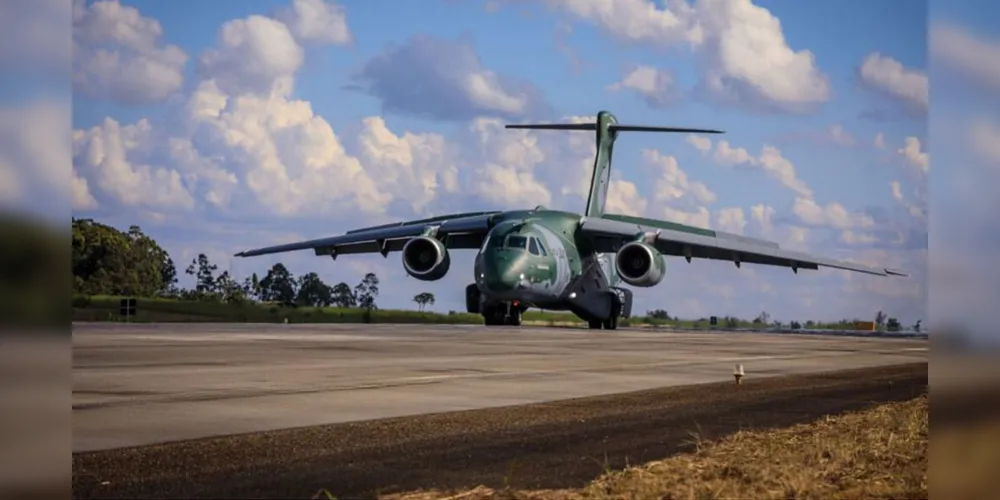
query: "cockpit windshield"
515, 241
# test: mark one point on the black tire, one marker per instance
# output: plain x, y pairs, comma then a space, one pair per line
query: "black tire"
616, 310
595, 325
514, 319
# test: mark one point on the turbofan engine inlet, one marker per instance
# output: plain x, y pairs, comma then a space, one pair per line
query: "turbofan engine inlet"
426, 258
640, 264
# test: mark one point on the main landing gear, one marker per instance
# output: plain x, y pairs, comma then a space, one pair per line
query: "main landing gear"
621, 307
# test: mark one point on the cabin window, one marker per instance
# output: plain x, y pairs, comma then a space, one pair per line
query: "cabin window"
517, 242
533, 246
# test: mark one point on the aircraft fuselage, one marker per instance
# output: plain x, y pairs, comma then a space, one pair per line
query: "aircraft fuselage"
537, 259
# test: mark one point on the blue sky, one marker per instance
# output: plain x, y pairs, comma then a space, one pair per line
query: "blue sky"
247, 123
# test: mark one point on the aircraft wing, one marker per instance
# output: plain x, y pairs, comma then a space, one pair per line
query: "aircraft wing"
465, 230
611, 231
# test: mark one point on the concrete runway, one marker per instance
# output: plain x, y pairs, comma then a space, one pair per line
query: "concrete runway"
144, 384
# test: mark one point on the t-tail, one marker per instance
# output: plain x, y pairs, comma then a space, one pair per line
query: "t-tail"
606, 127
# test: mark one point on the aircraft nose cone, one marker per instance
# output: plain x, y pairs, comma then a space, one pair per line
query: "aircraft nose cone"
500, 275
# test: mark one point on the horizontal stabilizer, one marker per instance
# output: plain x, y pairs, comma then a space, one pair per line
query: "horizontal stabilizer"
613, 128
556, 126
644, 128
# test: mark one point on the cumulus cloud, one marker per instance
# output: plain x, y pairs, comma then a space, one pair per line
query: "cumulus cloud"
256, 54
701, 143
118, 54
830, 215
770, 160
115, 158
763, 216
444, 79
839, 136
655, 86
317, 21
889, 77
879, 141
745, 56
671, 184
731, 220
914, 156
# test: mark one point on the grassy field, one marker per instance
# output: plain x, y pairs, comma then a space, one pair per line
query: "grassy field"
161, 310
877, 453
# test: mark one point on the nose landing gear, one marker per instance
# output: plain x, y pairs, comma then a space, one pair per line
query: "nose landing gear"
503, 314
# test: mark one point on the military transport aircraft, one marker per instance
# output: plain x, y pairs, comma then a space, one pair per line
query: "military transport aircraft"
559, 260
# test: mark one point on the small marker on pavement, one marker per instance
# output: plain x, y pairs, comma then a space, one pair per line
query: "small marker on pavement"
738, 374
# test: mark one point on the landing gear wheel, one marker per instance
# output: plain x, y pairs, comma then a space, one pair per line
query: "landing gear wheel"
493, 316
514, 319
595, 325
616, 310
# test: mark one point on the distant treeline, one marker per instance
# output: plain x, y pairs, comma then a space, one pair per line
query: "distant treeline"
110, 262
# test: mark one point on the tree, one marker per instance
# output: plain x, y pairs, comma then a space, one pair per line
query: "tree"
228, 290
916, 327
251, 287
424, 298
762, 319
278, 285
880, 320
106, 261
658, 314
204, 272
367, 291
342, 296
313, 292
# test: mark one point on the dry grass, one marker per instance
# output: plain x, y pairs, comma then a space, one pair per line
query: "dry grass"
877, 453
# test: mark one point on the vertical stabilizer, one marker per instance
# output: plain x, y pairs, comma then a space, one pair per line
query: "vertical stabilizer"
606, 130
601, 176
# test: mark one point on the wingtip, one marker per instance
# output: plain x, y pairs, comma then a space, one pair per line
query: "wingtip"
895, 272
240, 254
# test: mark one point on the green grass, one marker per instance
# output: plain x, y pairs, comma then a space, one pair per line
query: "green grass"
163, 310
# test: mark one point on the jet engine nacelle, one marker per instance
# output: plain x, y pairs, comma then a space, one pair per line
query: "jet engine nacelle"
640, 264
426, 258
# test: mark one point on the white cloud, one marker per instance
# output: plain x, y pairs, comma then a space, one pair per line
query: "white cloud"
429, 76
112, 156
830, 215
703, 144
879, 140
256, 54
731, 220
414, 167
967, 52
770, 161
700, 217
655, 86
888, 76
854, 238
914, 156
763, 216
317, 21
624, 198
727, 155
840, 136
671, 183
137, 68
745, 55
